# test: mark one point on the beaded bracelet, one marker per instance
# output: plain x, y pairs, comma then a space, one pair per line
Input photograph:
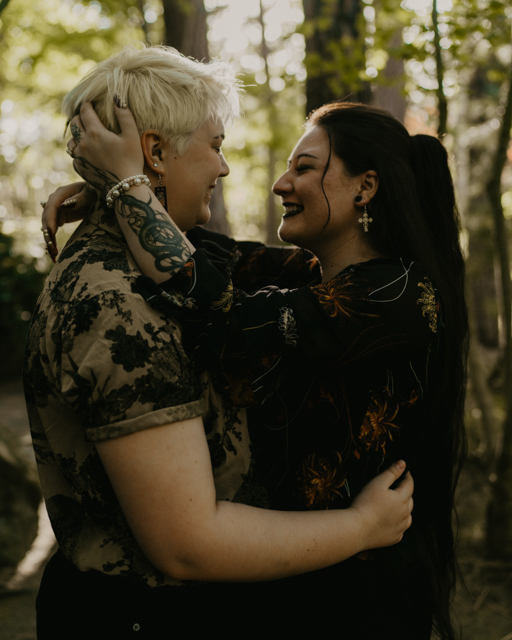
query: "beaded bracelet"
124, 185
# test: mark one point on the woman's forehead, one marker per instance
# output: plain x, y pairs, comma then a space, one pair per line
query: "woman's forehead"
314, 143
211, 129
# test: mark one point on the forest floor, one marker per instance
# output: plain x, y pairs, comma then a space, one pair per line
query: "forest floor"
483, 609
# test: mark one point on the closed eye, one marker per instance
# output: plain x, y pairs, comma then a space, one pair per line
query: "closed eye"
302, 167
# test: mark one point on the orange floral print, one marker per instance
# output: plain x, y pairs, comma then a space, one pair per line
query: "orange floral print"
338, 297
319, 481
379, 424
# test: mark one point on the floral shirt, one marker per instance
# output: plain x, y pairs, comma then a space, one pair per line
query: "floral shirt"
336, 374
100, 364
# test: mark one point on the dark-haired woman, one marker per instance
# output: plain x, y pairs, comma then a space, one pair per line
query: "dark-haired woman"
346, 375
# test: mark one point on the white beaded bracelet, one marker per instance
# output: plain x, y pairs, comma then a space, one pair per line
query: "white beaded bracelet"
124, 185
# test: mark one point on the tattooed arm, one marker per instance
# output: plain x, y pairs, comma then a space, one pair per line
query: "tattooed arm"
157, 244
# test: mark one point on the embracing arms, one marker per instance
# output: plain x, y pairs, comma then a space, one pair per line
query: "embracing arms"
163, 480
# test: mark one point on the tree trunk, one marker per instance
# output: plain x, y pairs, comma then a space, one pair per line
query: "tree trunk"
390, 95
334, 52
442, 103
186, 30
272, 121
499, 516
477, 374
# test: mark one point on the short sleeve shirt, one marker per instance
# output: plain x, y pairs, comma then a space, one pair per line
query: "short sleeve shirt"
100, 364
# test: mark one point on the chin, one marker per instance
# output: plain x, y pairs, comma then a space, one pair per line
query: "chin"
204, 217
286, 235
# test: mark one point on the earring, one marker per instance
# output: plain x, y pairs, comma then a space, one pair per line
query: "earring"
365, 220
161, 192
155, 164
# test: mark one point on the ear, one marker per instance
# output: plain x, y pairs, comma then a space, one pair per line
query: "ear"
369, 185
152, 144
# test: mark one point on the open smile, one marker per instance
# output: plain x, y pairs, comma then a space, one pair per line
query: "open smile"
291, 209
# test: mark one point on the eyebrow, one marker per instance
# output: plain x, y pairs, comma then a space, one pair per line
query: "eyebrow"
303, 155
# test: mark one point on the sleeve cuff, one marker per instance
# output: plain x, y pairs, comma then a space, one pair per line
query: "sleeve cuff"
157, 418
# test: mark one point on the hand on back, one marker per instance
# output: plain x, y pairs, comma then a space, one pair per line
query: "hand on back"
385, 512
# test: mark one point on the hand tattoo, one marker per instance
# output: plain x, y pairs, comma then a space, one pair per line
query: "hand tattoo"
98, 179
156, 233
76, 132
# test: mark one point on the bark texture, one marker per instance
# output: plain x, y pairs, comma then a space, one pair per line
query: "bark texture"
499, 516
334, 52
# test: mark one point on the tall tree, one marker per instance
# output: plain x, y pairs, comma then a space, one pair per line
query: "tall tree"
442, 102
389, 92
335, 52
499, 523
186, 30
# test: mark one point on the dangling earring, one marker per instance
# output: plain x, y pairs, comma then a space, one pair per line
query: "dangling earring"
365, 220
161, 192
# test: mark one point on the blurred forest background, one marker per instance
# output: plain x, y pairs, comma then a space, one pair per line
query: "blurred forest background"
443, 67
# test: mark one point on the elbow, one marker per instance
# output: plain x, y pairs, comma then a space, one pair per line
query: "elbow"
185, 562
182, 569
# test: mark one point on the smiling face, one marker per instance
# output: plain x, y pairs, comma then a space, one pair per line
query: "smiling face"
191, 177
306, 221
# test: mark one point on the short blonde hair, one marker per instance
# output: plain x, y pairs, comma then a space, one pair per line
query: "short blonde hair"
165, 91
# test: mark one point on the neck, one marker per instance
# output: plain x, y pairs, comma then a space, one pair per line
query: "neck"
335, 259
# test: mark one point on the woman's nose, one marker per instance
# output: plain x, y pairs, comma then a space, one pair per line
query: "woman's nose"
224, 167
282, 185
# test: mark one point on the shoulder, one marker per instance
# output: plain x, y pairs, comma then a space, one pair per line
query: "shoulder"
390, 279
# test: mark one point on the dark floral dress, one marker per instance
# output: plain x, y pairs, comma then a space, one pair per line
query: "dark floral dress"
336, 377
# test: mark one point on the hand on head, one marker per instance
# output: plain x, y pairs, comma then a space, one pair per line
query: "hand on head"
87, 148
91, 140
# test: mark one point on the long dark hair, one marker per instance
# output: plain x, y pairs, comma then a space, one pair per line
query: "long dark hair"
415, 216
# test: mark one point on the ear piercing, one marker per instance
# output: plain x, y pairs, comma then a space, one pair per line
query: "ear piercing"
365, 220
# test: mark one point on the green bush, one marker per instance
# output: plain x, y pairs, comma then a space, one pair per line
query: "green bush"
20, 286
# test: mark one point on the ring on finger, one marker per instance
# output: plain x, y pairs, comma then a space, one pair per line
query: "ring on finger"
43, 204
69, 203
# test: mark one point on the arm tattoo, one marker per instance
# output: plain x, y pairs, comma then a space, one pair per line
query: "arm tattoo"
76, 132
157, 234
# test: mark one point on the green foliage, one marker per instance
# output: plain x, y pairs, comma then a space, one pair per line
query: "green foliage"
46, 46
269, 59
20, 286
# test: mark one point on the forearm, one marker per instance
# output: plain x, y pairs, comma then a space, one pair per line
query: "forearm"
163, 479
245, 544
158, 246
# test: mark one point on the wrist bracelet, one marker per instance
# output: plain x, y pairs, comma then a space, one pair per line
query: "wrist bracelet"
124, 185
